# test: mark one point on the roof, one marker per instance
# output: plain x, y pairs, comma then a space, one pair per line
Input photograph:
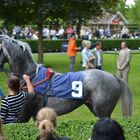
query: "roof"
110, 18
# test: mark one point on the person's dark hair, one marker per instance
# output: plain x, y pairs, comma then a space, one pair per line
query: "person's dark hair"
73, 35
107, 129
13, 83
98, 43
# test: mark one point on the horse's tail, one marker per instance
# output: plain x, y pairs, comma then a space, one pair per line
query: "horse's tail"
126, 98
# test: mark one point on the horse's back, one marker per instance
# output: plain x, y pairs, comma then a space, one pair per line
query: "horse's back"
96, 79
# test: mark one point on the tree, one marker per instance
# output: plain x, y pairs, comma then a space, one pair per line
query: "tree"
134, 13
38, 10
123, 8
22, 12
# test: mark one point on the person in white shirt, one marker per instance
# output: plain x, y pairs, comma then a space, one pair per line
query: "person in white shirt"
52, 33
35, 35
101, 31
87, 56
46, 33
125, 32
61, 32
97, 51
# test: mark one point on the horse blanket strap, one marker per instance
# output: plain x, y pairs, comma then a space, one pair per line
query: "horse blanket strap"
43, 75
68, 85
45, 101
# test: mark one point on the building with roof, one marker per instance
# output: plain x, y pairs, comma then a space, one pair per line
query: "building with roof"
109, 19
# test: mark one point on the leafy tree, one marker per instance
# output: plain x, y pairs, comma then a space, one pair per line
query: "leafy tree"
134, 13
24, 11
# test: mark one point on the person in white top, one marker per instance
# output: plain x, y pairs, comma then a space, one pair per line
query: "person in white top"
46, 33
101, 31
87, 56
61, 32
124, 32
34, 36
97, 51
52, 33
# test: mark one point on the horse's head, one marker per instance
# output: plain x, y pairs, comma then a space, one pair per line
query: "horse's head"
7, 51
17, 54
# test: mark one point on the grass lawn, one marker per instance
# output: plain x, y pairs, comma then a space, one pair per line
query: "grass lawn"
59, 62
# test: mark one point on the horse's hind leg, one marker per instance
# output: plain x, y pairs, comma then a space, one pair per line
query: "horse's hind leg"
101, 106
90, 108
97, 111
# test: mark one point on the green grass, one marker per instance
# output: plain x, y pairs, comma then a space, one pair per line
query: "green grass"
59, 62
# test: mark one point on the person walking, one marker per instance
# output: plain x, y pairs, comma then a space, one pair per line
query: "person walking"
71, 51
97, 52
123, 63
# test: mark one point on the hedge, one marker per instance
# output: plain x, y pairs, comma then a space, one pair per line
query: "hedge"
108, 44
74, 129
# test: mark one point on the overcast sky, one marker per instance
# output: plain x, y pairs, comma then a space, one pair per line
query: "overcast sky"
129, 2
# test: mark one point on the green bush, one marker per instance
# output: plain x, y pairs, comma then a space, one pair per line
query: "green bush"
49, 45
108, 44
76, 130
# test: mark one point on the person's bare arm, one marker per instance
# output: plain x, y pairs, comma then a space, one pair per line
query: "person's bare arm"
29, 84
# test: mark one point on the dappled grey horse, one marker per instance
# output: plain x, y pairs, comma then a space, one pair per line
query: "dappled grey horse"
102, 90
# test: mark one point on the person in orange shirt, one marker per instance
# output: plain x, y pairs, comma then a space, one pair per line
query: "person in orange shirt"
71, 51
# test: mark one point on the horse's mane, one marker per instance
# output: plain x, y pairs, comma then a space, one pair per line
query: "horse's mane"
19, 44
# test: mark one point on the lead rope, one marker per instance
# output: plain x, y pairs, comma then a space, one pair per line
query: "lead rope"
40, 82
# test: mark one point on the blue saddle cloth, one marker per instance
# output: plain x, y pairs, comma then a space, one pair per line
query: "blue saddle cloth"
68, 85
40, 75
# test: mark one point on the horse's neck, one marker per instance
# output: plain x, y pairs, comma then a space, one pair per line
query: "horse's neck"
25, 67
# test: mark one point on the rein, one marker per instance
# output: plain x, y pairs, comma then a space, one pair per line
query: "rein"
42, 81
38, 83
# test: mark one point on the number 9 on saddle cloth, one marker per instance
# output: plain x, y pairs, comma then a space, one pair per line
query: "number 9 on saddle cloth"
68, 85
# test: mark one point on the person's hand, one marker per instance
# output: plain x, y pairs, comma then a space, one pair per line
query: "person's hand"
91, 58
26, 77
29, 84
79, 49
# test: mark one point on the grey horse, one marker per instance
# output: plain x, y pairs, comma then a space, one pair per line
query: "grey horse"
102, 90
